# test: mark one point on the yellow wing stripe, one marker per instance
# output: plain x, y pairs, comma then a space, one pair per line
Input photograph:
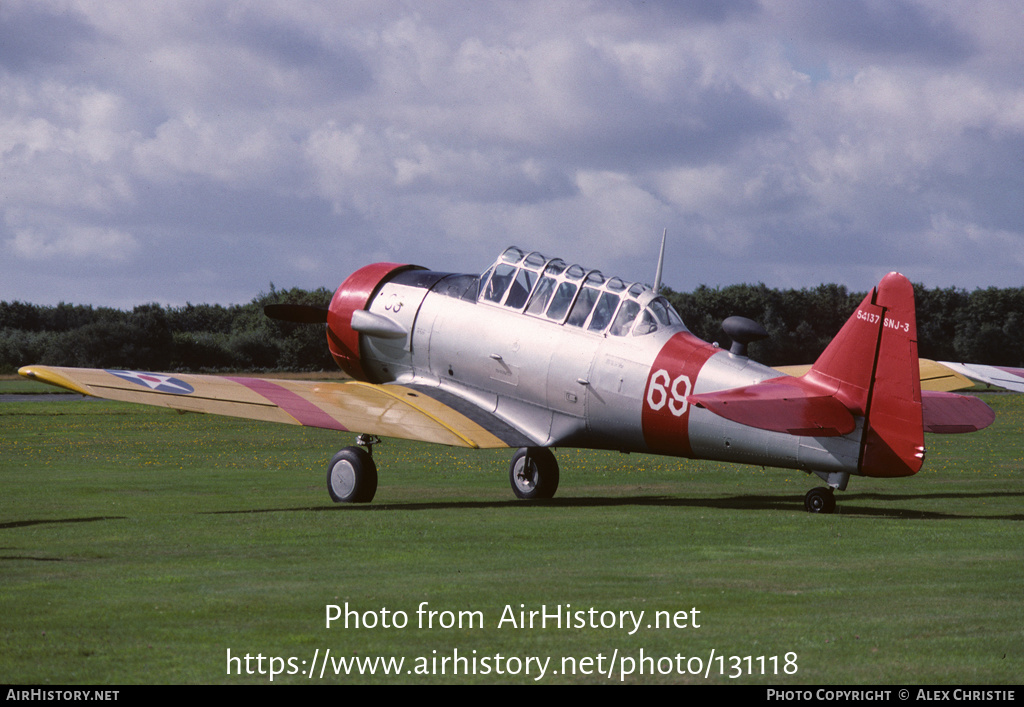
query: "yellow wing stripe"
396, 392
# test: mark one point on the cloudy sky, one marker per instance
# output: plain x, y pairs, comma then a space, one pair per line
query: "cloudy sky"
180, 151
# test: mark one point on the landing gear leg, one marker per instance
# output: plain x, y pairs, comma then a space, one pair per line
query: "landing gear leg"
352, 473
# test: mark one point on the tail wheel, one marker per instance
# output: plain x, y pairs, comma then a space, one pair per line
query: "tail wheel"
352, 476
534, 473
820, 500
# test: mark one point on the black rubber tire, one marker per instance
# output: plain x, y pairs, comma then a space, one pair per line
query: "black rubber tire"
352, 476
820, 500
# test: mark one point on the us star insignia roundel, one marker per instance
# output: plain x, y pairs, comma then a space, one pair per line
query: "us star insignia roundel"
159, 382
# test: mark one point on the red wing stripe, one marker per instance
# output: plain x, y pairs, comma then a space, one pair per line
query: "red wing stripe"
305, 412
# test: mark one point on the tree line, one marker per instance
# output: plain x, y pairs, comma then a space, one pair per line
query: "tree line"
982, 326
195, 337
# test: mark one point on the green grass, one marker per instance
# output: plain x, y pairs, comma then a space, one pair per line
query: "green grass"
138, 545
16, 385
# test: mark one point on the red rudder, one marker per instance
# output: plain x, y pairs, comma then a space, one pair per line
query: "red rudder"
872, 366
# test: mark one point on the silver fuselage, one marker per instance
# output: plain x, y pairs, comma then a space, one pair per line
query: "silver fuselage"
567, 386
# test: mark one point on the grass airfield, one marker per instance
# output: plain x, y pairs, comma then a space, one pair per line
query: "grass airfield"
138, 545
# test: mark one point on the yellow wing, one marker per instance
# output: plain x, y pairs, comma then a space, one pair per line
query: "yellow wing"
934, 376
419, 413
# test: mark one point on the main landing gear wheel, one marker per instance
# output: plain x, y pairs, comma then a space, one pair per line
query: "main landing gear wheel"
352, 476
534, 473
820, 500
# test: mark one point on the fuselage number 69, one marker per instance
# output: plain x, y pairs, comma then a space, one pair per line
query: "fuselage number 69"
663, 390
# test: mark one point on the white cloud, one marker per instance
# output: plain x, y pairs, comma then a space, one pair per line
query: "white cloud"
237, 151
74, 243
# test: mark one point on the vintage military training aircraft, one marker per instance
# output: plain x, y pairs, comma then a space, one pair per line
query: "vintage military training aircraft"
537, 353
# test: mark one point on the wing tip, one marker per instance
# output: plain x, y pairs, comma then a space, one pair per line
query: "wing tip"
45, 374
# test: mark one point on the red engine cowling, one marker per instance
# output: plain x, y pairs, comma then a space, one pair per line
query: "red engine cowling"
355, 293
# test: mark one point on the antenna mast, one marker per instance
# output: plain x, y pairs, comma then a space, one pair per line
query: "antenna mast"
661, 263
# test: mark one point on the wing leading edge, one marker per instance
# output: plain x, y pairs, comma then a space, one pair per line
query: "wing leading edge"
385, 410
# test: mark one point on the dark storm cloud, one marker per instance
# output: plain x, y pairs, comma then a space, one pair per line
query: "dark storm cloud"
993, 171
204, 205
691, 10
33, 36
708, 126
331, 66
885, 27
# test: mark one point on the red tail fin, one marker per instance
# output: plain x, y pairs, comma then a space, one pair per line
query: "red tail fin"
873, 368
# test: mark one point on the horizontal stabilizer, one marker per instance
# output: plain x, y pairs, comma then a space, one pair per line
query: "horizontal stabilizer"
949, 413
793, 405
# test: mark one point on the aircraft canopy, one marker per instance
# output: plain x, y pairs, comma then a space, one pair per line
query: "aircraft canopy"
548, 288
